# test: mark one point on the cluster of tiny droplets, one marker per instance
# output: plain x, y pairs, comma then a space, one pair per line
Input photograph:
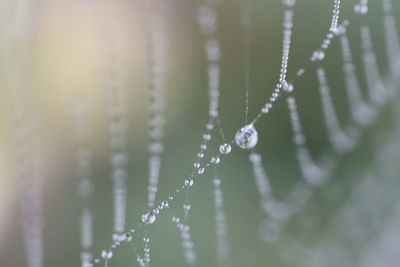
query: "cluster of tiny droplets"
286, 42
221, 231
360, 111
310, 170
335, 16
361, 7
376, 89
391, 35
338, 139
83, 173
187, 243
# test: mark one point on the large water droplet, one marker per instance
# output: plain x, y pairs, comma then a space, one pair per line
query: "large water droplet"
148, 218
246, 137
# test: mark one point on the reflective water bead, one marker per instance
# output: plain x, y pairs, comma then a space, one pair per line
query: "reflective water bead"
361, 9
318, 55
106, 254
146, 239
148, 218
201, 170
225, 148
196, 165
215, 160
186, 207
288, 87
165, 204
189, 182
246, 137
207, 137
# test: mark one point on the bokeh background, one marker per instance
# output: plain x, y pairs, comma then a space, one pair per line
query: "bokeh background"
56, 49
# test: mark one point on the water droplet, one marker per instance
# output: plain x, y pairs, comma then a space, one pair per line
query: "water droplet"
189, 182
246, 137
148, 218
201, 170
175, 219
196, 165
318, 55
106, 254
146, 239
156, 211
207, 137
96, 260
215, 160
225, 148
361, 9
164, 204
288, 87
186, 207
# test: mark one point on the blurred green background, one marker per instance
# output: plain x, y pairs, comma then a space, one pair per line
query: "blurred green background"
62, 52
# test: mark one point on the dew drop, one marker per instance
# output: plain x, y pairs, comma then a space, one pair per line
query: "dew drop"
225, 148
215, 160
288, 87
361, 9
146, 240
201, 170
164, 204
189, 182
148, 218
246, 137
186, 207
106, 254
318, 55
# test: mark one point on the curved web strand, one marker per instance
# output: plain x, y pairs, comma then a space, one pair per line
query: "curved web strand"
157, 43
27, 144
341, 141
391, 35
224, 257
83, 171
361, 112
117, 127
278, 212
376, 89
207, 23
30, 175
286, 43
313, 173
